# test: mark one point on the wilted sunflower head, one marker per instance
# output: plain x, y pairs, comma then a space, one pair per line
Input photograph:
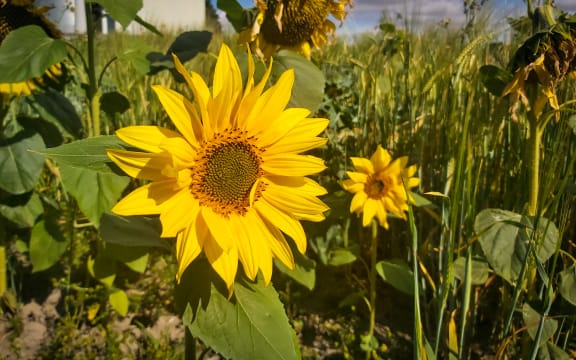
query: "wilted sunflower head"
15, 14
299, 25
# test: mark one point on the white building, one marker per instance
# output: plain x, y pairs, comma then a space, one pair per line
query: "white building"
69, 15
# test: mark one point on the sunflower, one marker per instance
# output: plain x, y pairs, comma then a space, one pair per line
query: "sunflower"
231, 183
379, 186
18, 13
299, 25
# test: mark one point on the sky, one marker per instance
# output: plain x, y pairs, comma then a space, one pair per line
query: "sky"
365, 14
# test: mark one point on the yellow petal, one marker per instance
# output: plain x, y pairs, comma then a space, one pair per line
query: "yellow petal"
140, 165
292, 164
181, 151
250, 97
178, 212
283, 221
277, 128
262, 239
369, 212
219, 227
225, 263
357, 177
380, 159
362, 165
147, 138
352, 186
188, 247
295, 203
138, 202
299, 185
176, 107
248, 244
280, 248
358, 201
271, 104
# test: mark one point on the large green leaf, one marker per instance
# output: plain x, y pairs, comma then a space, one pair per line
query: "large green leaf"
567, 285
22, 210
124, 11
27, 52
398, 274
532, 319
549, 351
56, 108
136, 258
133, 231
95, 192
308, 90
88, 153
119, 301
186, 46
47, 244
251, 325
103, 269
233, 11
480, 270
20, 167
304, 271
504, 237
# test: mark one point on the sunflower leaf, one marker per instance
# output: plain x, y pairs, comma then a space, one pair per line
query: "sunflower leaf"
21, 168
27, 52
88, 153
132, 231
253, 325
22, 210
122, 11
308, 90
567, 284
505, 238
95, 192
47, 244
532, 320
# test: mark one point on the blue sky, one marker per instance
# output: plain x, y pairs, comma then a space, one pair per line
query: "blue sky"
365, 14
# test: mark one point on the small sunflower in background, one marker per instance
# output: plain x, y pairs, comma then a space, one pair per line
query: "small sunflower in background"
15, 14
231, 183
299, 25
380, 185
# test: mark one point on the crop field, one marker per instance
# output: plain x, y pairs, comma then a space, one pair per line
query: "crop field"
280, 194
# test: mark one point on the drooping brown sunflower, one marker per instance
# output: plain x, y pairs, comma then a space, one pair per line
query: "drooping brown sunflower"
18, 13
299, 25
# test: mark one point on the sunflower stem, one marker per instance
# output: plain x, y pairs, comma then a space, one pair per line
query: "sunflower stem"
534, 162
189, 345
372, 280
92, 91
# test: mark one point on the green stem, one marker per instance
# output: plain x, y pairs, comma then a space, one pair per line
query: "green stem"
534, 163
93, 97
189, 345
372, 279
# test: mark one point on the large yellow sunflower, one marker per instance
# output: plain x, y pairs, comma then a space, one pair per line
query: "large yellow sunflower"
379, 186
231, 182
299, 25
18, 13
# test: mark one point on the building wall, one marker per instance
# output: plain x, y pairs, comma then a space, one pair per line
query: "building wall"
173, 14
164, 14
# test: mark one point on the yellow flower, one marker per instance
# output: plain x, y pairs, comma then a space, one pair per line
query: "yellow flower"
231, 182
299, 25
379, 186
18, 13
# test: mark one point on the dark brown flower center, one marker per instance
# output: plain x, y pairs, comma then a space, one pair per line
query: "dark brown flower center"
300, 18
226, 169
